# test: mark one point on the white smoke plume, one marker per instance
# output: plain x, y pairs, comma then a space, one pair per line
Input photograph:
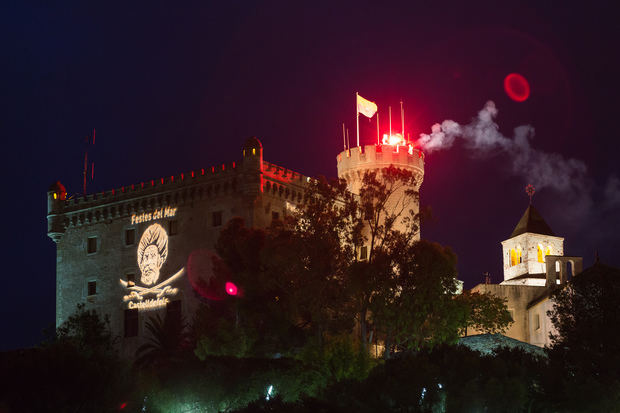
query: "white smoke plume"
482, 134
589, 212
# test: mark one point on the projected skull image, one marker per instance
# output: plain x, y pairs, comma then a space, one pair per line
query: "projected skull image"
152, 253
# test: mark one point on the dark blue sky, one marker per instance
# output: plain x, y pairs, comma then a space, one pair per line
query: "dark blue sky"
171, 89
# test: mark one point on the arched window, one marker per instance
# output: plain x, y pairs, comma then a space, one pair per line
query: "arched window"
548, 251
541, 257
513, 257
519, 255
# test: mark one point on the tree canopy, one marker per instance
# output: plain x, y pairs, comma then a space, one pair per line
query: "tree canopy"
342, 262
585, 351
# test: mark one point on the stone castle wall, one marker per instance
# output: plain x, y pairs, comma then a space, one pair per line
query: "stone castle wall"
254, 190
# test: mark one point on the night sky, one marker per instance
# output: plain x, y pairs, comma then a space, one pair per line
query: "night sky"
170, 89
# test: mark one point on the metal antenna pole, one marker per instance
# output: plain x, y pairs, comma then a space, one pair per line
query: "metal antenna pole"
402, 117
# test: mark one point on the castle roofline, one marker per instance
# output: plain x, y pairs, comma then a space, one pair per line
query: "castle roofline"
533, 222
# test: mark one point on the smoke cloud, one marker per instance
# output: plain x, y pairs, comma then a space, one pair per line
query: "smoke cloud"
538, 168
594, 223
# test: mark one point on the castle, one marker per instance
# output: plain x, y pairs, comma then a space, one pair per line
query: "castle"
128, 252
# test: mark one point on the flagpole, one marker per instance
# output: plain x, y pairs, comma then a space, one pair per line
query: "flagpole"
348, 141
344, 139
357, 118
390, 111
402, 117
378, 141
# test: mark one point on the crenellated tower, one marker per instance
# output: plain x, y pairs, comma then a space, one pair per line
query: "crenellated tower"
355, 162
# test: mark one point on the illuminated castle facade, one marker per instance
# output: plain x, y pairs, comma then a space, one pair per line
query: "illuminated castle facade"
355, 162
534, 265
134, 251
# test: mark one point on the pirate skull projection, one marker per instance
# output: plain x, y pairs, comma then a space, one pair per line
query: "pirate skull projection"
152, 253
151, 256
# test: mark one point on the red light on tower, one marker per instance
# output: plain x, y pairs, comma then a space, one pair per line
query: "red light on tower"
516, 87
231, 289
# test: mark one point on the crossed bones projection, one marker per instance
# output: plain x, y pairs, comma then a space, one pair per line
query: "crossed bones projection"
161, 289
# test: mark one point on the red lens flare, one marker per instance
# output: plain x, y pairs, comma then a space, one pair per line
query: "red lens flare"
516, 87
206, 273
231, 289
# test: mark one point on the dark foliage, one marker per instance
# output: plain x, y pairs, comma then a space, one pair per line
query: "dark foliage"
75, 371
584, 370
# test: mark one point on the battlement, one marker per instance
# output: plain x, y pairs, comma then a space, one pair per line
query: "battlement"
153, 186
356, 160
283, 175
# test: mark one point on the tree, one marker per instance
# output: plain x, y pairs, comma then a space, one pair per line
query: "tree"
585, 351
168, 342
419, 308
76, 370
267, 315
483, 312
86, 331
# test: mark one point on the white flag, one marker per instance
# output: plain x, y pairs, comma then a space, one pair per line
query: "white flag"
366, 107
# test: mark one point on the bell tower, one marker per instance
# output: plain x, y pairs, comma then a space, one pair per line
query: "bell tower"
525, 251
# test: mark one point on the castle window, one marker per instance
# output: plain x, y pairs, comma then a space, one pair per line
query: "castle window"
541, 256
173, 311
216, 218
364, 253
92, 288
130, 236
549, 251
515, 256
131, 323
92, 245
173, 227
536, 321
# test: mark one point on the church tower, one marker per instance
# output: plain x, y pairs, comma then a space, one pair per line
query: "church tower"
526, 250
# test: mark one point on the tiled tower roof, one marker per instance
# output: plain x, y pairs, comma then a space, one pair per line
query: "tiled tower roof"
532, 221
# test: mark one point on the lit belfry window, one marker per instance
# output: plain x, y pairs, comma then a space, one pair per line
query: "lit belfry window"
515, 256
541, 257
55, 195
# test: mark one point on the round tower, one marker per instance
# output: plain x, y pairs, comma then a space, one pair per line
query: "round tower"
56, 197
355, 162
252, 167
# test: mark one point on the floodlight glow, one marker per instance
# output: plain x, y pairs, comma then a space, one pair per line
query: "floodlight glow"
395, 139
269, 392
231, 289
